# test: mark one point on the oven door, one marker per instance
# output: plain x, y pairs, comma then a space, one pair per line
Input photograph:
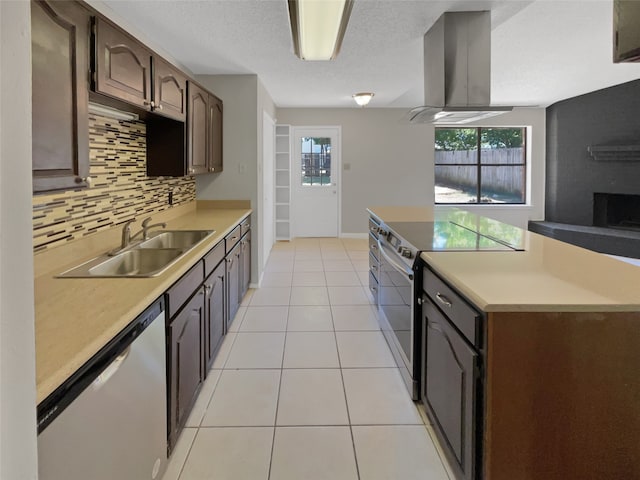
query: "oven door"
396, 293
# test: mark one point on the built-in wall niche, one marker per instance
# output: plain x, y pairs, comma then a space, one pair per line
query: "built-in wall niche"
615, 210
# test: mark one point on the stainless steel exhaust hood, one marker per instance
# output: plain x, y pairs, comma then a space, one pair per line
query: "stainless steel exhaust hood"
457, 70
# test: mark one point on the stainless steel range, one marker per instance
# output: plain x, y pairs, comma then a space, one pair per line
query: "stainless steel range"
400, 244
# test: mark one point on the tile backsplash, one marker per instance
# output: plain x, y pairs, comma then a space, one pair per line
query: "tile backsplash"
120, 189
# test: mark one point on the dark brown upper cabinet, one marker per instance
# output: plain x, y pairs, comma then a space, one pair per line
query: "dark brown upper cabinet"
122, 65
198, 109
169, 90
215, 134
60, 62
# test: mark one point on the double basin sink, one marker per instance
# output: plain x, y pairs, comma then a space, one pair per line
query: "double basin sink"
148, 258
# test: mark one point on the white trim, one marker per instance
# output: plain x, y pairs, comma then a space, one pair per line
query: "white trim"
354, 235
262, 258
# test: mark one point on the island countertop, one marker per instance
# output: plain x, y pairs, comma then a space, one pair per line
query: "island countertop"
547, 276
75, 317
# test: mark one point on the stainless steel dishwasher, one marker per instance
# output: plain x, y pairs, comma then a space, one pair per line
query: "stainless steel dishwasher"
108, 421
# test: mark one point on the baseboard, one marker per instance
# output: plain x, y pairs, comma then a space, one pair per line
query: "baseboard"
354, 235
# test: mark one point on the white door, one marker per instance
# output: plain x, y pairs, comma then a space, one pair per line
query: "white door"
315, 181
268, 152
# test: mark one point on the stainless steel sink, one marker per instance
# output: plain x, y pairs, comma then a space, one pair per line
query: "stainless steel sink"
175, 239
146, 259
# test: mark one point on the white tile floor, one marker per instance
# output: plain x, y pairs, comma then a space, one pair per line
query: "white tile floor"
304, 386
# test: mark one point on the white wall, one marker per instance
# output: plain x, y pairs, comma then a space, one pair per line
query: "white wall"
535, 121
384, 162
18, 453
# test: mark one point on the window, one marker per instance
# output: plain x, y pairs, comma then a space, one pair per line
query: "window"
316, 161
480, 165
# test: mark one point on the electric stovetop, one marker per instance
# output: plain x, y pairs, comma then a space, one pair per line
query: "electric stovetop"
445, 236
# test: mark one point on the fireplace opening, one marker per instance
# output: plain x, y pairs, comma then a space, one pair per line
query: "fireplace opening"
616, 210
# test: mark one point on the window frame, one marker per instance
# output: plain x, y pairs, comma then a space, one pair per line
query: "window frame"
478, 165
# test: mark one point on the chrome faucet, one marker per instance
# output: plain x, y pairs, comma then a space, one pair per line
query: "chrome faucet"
126, 233
146, 227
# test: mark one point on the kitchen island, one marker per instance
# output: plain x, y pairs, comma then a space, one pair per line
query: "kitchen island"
558, 388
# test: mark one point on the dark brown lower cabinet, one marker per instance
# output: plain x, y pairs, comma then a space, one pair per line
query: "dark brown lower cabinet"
245, 262
233, 283
185, 375
449, 388
214, 325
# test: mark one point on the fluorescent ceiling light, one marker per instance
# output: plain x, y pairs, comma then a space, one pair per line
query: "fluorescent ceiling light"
318, 27
105, 111
363, 98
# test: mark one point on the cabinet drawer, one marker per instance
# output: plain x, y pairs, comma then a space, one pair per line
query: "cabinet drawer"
373, 227
373, 246
182, 290
245, 226
374, 266
213, 258
457, 310
232, 239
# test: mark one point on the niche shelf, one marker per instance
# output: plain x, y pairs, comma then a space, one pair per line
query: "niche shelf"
283, 182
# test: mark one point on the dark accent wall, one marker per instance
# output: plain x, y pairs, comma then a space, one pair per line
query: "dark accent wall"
606, 117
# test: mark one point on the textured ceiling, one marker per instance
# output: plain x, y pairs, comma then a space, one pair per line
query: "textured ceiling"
542, 51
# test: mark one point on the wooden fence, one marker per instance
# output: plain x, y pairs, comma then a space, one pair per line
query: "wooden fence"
458, 169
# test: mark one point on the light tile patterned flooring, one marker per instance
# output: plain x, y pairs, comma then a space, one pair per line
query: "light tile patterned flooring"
304, 386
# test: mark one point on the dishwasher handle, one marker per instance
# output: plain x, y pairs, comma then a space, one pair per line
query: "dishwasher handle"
111, 370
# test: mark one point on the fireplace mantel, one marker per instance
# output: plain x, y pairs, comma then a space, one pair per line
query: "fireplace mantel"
626, 153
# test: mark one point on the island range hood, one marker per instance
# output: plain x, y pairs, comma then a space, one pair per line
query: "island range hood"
457, 71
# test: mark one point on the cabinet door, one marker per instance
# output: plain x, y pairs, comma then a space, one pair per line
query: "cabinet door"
169, 90
197, 111
233, 283
450, 388
59, 56
122, 65
215, 134
245, 255
214, 326
185, 361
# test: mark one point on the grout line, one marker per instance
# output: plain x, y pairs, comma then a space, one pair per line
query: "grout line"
186, 457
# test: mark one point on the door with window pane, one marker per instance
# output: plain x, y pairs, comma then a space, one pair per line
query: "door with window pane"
315, 176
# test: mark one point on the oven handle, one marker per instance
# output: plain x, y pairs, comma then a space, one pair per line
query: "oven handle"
393, 263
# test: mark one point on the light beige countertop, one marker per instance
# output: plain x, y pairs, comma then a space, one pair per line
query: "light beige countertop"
75, 317
548, 276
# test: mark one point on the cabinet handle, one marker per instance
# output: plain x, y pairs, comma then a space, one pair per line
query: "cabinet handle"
373, 267
212, 169
192, 170
149, 104
374, 289
374, 247
158, 107
234, 238
86, 180
444, 300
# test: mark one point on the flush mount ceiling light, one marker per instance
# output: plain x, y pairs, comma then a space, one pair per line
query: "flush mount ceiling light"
363, 98
318, 26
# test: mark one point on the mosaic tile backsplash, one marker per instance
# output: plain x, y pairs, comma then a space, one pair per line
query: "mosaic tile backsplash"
120, 189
